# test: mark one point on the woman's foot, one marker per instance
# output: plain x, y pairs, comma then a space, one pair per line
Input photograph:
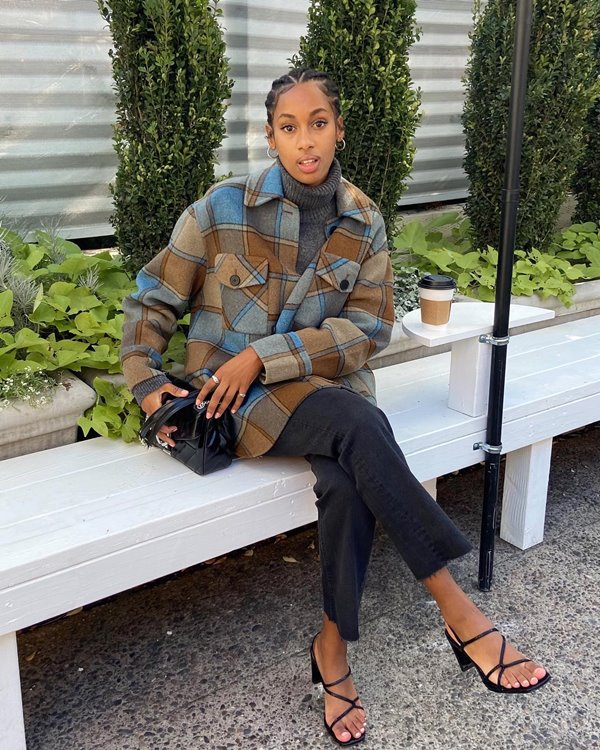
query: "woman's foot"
466, 621
486, 653
330, 655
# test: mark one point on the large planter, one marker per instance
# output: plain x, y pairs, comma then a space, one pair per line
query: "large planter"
26, 429
586, 302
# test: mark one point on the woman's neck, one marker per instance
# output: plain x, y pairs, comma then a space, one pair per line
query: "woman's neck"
311, 197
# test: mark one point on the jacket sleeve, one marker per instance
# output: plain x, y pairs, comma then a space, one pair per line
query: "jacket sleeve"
343, 344
164, 288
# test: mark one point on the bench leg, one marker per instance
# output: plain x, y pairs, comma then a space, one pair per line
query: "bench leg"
12, 727
525, 492
431, 486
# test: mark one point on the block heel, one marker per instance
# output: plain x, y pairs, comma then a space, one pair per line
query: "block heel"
464, 662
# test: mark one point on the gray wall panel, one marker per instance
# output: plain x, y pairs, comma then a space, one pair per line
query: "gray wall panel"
56, 156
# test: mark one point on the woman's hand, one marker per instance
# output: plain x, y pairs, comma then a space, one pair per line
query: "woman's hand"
232, 382
154, 401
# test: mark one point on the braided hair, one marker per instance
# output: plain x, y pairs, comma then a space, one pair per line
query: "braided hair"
302, 75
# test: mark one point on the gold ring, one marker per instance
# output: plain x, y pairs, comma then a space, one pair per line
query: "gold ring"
216, 379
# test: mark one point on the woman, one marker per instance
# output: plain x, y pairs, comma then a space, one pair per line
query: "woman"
289, 282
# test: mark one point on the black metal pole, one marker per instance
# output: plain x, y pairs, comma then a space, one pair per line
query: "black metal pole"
510, 203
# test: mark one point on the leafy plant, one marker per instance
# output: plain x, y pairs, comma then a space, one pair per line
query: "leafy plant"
574, 254
560, 90
31, 387
364, 46
406, 291
115, 413
72, 318
171, 80
586, 183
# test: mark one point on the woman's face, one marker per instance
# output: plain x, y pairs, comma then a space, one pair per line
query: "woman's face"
305, 131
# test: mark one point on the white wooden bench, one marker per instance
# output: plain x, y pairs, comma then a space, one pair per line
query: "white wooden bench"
85, 521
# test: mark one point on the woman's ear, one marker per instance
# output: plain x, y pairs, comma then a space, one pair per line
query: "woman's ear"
339, 123
269, 136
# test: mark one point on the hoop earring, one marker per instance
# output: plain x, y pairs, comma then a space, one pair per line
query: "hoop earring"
340, 145
270, 155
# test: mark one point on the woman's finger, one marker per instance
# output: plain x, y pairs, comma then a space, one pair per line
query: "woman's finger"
164, 435
227, 401
214, 405
238, 401
207, 389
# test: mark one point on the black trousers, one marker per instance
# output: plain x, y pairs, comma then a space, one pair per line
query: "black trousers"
362, 476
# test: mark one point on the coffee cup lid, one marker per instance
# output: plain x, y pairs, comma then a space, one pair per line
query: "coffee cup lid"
437, 281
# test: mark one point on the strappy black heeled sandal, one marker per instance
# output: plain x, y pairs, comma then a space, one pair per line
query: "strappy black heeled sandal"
465, 662
317, 678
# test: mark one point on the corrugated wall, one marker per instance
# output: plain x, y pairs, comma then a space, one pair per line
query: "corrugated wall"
57, 106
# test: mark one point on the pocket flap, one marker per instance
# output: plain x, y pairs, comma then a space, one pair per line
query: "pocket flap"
239, 271
340, 273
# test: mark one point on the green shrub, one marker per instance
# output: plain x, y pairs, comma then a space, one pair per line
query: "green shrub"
586, 184
559, 93
63, 309
364, 46
171, 80
573, 254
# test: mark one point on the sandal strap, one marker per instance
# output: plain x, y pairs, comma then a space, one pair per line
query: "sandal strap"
464, 644
346, 712
504, 667
340, 697
337, 682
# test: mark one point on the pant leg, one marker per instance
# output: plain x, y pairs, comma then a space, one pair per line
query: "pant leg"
346, 527
342, 425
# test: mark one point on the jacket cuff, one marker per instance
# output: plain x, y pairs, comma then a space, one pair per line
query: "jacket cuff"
143, 389
283, 356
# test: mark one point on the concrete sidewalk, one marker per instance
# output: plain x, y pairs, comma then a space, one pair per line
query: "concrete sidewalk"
217, 656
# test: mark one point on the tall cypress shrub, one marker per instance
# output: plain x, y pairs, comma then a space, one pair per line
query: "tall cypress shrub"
363, 45
586, 184
559, 94
171, 80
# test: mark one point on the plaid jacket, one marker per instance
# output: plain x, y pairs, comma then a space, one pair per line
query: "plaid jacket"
231, 261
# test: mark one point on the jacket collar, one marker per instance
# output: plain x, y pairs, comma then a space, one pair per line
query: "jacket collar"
265, 186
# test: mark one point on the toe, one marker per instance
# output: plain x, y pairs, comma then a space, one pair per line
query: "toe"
356, 723
343, 734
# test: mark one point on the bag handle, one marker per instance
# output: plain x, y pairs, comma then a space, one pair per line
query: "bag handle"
157, 419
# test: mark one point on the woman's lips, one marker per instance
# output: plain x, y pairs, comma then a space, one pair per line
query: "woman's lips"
309, 164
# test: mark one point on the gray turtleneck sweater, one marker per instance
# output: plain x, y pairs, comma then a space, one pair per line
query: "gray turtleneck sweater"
317, 206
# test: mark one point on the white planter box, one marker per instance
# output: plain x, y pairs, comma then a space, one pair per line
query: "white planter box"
26, 429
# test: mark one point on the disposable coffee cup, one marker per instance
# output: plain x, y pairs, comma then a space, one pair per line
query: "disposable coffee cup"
436, 293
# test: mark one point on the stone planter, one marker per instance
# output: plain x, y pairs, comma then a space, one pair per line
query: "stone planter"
26, 429
586, 302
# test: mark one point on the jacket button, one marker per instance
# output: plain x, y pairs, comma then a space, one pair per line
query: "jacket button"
234, 280
344, 284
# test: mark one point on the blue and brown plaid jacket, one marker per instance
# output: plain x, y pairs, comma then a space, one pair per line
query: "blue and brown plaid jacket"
231, 261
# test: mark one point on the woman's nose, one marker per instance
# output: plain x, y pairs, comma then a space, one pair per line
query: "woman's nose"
305, 139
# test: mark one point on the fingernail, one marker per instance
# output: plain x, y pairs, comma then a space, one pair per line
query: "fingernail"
217, 415
233, 411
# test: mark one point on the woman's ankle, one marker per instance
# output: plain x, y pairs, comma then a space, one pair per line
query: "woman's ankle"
329, 639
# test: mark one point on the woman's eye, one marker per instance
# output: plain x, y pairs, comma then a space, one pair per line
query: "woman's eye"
320, 123
288, 128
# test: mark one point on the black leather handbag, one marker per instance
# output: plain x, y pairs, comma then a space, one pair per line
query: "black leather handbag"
203, 445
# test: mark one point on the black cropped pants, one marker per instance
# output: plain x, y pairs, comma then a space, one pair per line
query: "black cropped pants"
362, 476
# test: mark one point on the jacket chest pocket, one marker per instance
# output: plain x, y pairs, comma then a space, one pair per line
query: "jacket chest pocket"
335, 277
243, 281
